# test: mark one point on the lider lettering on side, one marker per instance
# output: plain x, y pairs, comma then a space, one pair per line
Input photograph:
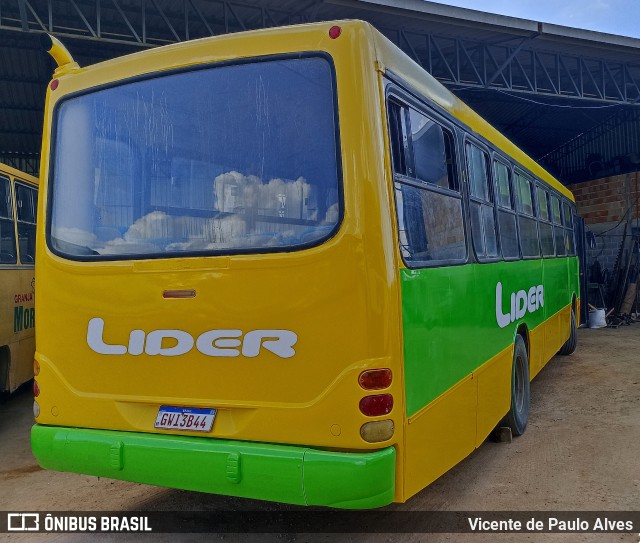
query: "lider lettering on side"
522, 302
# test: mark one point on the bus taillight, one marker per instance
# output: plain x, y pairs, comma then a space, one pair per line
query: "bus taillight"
375, 379
36, 389
374, 406
36, 368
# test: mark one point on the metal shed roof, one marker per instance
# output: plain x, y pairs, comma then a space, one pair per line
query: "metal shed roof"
568, 97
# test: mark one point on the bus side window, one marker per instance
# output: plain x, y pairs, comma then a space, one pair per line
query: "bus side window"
558, 230
431, 152
26, 204
7, 230
398, 137
483, 224
528, 225
568, 232
428, 204
506, 212
544, 218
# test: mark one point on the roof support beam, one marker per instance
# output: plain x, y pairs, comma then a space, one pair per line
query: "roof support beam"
509, 59
520, 69
487, 64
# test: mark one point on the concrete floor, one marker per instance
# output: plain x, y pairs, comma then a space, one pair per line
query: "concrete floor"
581, 452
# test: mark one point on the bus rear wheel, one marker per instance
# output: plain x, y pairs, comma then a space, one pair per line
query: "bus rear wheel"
518, 414
4, 373
571, 344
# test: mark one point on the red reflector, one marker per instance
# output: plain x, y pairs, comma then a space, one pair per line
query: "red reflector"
54, 84
334, 32
372, 406
375, 379
36, 389
179, 294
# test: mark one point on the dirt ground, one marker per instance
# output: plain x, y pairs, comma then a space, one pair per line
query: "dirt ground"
581, 452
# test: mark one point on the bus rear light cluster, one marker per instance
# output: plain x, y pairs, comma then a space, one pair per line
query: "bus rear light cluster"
375, 379
374, 406
36, 389
377, 431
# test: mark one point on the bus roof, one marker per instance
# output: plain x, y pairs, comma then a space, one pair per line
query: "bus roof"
22, 176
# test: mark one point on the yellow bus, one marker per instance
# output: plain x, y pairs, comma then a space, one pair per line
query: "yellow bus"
18, 203
287, 264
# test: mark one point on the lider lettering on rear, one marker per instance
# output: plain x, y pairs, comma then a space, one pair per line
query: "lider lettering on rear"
216, 343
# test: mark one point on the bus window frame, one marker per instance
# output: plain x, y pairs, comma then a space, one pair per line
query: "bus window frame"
498, 158
547, 190
403, 91
16, 261
522, 214
559, 224
569, 229
398, 93
281, 250
17, 181
469, 139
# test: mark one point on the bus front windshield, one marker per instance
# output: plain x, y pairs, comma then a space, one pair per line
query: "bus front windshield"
225, 159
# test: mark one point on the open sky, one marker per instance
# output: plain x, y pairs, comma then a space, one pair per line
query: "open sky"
613, 16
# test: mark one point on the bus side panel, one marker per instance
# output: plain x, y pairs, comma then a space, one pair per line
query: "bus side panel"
450, 320
17, 324
21, 369
494, 393
459, 325
538, 355
440, 436
561, 276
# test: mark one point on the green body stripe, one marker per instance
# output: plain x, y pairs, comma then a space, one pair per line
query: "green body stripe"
449, 317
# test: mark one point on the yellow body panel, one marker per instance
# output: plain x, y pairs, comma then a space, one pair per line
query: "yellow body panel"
440, 435
494, 393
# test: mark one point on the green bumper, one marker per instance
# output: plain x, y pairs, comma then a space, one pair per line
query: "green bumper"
264, 471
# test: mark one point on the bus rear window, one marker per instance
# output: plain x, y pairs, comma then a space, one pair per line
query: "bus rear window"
227, 159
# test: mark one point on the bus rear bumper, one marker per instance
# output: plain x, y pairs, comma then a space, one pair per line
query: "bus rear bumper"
281, 473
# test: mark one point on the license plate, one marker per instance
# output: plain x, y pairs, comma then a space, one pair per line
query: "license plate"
185, 418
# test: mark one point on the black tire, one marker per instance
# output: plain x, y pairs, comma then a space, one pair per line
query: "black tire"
4, 382
570, 345
518, 414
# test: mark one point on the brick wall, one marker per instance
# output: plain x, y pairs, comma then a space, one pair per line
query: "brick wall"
605, 200
603, 204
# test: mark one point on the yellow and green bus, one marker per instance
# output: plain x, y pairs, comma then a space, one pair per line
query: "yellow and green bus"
18, 202
287, 264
